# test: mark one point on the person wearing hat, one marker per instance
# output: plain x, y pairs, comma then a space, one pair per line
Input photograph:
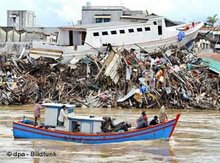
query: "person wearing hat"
142, 120
63, 115
163, 115
37, 109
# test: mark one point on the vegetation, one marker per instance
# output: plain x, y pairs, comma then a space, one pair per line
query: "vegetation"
211, 20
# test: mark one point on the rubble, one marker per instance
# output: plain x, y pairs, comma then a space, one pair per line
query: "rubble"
126, 78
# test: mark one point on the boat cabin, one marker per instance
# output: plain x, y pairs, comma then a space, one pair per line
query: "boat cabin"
83, 124
52, 112
71, 36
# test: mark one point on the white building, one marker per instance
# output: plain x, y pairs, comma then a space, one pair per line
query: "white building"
213, 33
20, 19
101, 14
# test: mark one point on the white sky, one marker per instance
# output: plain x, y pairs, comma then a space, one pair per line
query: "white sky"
64, 12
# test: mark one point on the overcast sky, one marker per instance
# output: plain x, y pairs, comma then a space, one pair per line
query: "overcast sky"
64, 12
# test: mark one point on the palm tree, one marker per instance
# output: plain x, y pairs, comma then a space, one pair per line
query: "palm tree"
211, 20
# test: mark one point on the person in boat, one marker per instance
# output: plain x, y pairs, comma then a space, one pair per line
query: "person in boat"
75, 127
142, 120
107, 125
154, 121
163, 115
37, 109
63, 115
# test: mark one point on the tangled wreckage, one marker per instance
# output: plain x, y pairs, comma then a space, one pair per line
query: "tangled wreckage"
126, 78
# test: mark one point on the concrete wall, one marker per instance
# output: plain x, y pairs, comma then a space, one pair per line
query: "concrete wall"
10, 34
23, 37
3, 35
13, 36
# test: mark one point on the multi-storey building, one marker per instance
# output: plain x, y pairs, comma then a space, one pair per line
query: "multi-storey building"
20, 19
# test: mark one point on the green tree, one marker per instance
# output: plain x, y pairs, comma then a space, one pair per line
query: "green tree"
211, 20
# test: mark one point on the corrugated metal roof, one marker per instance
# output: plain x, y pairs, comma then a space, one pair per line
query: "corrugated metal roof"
211, 28
214, 65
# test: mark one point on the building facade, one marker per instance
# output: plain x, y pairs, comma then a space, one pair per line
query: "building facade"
101, 14
20, 19
213, 35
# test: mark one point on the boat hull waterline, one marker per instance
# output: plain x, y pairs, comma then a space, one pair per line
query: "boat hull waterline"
160, 131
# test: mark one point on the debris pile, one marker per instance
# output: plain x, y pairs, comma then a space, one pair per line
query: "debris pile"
174, 77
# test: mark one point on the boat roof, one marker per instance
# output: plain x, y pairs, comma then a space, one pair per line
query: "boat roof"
86, 118
57, 105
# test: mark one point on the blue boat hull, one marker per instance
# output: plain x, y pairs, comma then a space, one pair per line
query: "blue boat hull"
160, 131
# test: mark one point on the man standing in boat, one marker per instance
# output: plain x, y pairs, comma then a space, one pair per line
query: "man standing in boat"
37, 109
163, 115
63, 115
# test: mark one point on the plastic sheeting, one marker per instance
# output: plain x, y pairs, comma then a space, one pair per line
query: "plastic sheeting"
181, 35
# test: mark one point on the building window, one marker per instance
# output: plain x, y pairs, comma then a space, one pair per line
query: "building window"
98, 20
139, 29
107, 19
147, 28
96, 34
155, 23
130, 30
113, 32
122, 31
105, 33
101, 20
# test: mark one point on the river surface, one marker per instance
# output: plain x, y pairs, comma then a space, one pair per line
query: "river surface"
196, 139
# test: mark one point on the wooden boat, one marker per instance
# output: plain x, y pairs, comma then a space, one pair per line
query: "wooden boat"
24, 129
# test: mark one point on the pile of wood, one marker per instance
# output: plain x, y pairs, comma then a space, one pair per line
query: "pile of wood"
174, 77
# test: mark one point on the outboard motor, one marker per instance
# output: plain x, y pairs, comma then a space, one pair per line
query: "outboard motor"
107, 125
122, 126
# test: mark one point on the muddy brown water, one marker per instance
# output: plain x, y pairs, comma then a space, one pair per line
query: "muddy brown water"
196, 139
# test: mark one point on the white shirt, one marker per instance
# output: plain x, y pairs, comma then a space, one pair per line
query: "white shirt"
62, 115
